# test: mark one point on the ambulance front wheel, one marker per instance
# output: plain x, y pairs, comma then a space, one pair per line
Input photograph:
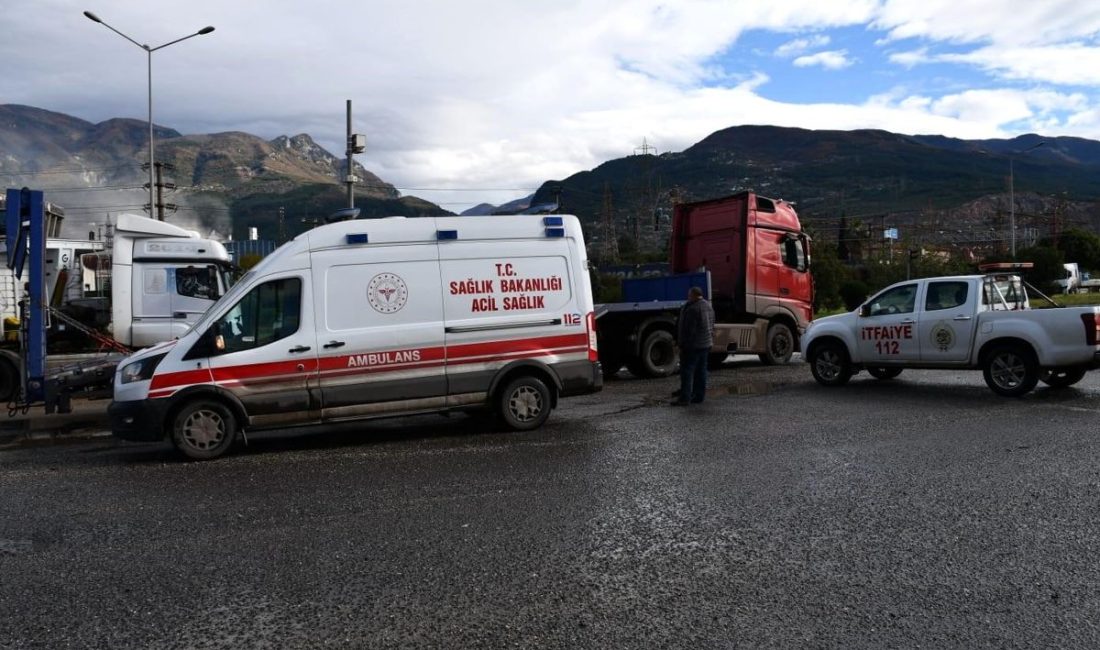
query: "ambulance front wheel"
524, 404
203, 429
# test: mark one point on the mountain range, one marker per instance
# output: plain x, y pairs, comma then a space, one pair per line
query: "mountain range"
95, 169
931, 187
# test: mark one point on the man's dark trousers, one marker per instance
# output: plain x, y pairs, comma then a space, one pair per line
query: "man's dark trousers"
693, 374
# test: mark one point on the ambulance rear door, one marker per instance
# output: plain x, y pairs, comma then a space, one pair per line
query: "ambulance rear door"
507, 297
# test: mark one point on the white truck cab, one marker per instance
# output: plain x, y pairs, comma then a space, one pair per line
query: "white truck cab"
163, 278
371, 318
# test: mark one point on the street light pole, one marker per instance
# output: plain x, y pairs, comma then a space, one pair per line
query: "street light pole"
1012, 193
149, 52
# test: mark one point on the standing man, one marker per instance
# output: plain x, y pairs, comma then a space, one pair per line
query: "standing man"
696, 336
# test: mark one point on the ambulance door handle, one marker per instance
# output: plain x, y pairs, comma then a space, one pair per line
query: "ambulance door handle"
300, 348
333, 344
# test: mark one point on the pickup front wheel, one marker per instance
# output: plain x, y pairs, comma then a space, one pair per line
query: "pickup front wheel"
829, 363
1010, 370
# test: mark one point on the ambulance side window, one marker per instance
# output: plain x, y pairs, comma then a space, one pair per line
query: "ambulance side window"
264, 315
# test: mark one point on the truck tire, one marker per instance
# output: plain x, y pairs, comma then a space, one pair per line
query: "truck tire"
203, 429
779, 345
1062, 377
830, 364
657, 356
9, 379
524, 404
610, 366
882, 372
1010, 370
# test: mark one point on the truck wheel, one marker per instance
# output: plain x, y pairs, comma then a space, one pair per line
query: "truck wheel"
611, 367
829, 364
881, 372
657, 356
779, 345
524, 404
203, 430
1010, 370
9, 379
1062, 377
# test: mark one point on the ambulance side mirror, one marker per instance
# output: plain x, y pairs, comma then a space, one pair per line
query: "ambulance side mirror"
219, 343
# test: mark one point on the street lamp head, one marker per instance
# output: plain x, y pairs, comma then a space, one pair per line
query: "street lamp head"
92, 17
205, 30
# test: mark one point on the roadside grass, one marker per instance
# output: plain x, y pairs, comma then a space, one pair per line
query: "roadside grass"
1067, 300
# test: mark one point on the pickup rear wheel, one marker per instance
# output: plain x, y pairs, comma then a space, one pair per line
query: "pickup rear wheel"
203, 429
779, 345
882, 372
829, 363
1010, 370
1062, 377
524, 404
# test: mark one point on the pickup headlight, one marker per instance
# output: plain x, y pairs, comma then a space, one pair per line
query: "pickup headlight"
141, 370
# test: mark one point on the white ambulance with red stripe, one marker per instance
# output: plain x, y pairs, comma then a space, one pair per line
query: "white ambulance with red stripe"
371, 318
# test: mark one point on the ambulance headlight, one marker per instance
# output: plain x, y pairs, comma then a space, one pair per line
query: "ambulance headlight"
141, 370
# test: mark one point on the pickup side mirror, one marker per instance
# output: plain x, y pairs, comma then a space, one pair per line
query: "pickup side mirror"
865, 310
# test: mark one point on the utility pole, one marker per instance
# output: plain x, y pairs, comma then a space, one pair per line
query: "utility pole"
160, 185
282, 225
609, 246
357, 143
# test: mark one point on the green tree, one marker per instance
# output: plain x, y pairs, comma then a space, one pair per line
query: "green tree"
1048, 265
1080, 246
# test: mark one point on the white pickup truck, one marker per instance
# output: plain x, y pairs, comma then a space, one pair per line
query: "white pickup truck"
973, 321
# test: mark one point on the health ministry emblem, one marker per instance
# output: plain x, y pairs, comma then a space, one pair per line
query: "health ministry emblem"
387, 293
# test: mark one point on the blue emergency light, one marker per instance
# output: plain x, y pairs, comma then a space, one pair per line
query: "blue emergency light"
443, 235
358, 238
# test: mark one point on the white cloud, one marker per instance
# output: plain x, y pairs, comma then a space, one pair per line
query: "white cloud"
801, 45
830, 60
911, 58
496, 94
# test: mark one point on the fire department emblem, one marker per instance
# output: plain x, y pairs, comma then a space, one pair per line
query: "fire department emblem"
943, 337
387, 293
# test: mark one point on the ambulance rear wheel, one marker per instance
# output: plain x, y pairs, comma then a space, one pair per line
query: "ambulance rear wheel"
524, 404
203, 430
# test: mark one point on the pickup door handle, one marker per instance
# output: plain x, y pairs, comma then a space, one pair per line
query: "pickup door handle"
962, 318
333, 344
299, 348
908, 321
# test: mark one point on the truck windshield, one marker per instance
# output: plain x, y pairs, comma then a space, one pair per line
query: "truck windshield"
232, 296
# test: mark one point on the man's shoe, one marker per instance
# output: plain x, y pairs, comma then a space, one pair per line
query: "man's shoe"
696, 401
676, 393
678, 402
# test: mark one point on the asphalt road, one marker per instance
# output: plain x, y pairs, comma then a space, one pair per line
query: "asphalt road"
920, 512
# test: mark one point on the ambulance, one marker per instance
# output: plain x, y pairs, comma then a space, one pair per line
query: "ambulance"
374, 318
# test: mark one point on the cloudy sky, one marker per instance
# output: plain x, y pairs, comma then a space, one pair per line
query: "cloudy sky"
482, 100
